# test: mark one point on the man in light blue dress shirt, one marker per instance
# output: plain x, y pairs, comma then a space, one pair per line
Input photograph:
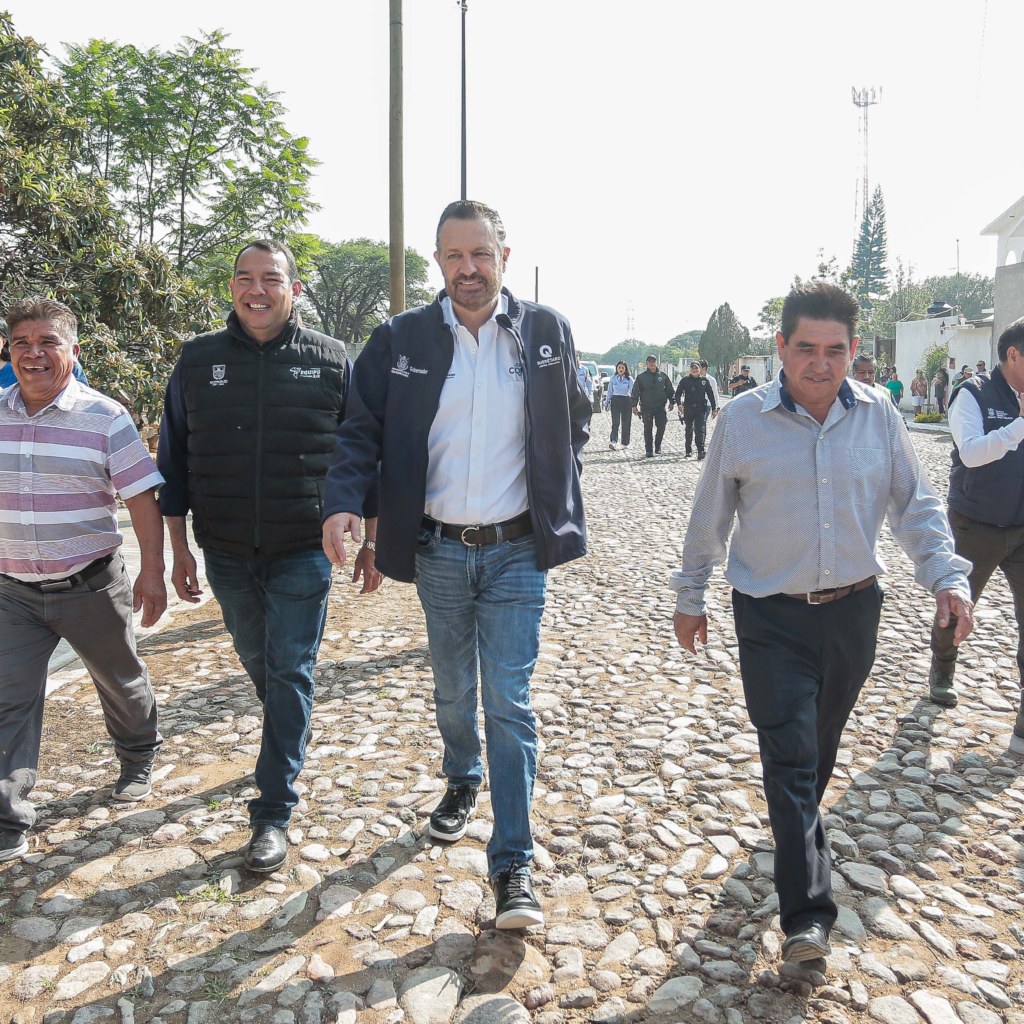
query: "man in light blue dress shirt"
807, 467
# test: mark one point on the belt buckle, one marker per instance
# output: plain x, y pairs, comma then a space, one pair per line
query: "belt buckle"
54, 586
468, 543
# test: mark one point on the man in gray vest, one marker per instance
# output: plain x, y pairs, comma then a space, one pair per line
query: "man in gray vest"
986, 496
245, 444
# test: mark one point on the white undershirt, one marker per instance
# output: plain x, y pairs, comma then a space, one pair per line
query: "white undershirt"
977, 448
476, 467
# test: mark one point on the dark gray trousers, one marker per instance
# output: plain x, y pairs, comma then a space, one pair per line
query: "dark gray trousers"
989, 548
96, 620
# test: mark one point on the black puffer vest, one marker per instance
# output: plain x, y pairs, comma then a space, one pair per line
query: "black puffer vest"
261, 421
993, 493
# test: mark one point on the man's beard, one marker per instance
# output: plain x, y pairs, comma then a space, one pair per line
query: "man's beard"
482, 299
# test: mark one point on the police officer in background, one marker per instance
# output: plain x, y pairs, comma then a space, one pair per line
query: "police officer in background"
986, 496
692, 394
650, 393
742, 382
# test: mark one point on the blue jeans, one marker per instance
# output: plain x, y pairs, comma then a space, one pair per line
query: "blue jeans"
483, 607
275, 610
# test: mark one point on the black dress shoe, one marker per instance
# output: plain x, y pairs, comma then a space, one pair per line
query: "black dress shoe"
451, 816
808, 942
516, 904
267, 850
13, 844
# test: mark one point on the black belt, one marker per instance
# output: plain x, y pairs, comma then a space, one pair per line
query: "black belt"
477, 536
828, 596
50, 586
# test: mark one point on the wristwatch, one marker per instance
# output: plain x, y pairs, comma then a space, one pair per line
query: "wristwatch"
371, 544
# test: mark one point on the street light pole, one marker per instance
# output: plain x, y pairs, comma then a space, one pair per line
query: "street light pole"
462, 4
396, 251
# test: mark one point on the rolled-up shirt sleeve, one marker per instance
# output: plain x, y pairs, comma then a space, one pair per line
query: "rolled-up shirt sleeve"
129, 464
918, 520
977, 448
714, 508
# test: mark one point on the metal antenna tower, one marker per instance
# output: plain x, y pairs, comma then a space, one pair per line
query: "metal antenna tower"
864, 100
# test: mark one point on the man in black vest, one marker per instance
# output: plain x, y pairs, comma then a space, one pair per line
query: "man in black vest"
986, 496
245, 444
651, 391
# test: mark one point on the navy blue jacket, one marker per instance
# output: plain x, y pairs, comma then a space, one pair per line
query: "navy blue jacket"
993, 493
391, 408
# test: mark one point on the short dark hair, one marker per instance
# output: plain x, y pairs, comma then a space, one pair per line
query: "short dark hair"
864, 357
820, 301
271, 245
1012, 337
703, 364
38, 307
470, 209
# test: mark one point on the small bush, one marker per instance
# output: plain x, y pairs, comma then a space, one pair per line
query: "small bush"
928, 417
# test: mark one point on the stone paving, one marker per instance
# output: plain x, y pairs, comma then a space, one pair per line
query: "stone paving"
654, 860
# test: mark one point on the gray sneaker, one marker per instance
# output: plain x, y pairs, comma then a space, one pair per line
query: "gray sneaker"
1018, 726
940, 686
135, 782
13, 844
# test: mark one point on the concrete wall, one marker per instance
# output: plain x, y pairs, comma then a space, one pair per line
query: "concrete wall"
1009, 304
965, 344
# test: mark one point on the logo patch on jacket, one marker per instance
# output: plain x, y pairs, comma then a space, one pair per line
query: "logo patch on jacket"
548, 357
218, 374
306, 372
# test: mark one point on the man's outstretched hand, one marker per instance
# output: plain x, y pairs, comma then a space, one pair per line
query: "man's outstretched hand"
951, 605
335, 528
690, 628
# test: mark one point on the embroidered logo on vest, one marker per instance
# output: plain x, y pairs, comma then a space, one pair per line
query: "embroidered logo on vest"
218, 374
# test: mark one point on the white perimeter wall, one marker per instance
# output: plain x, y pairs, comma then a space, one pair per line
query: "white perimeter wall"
965, 344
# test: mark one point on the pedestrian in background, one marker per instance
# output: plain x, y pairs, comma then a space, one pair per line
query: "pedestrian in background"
473, 411
66, 454
714, 387
651, 390
986, 498
966, 373
864, 371
742, 382
692, 393
829, 459
618, 398
895, 386
246, 440
918, 391
941, 389
981, 366
584, 375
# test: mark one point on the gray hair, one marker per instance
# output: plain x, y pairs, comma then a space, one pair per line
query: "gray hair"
38, 307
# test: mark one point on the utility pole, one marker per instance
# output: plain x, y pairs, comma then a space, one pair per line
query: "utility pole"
536, 284
462, 4
864, 100
396, 179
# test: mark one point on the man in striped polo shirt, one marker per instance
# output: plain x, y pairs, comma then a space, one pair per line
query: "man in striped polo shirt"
66, 451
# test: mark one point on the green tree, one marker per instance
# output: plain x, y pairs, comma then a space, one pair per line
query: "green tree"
868, 268
723, 340
973, 293
907, 300
61, 235
347, 284
196, 151
769, 320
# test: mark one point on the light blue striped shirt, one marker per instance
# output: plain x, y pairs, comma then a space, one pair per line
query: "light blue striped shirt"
808, 499
618, 387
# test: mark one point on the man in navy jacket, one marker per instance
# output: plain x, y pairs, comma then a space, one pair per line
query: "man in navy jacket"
473, 412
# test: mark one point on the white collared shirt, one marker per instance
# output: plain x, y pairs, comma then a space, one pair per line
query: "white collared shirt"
476, 449
977, 448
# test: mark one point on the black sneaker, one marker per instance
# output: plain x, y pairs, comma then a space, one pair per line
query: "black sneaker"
517, 906
700, 456
808, 942
135, 782
268, 848
452, 814
13, 844
649, 455
657, 451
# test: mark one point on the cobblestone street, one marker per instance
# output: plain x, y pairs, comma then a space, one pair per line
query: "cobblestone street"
654, 862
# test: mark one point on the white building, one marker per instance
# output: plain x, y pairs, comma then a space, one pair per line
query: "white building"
965, 341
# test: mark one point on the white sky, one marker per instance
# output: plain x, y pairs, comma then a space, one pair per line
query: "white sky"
673, 153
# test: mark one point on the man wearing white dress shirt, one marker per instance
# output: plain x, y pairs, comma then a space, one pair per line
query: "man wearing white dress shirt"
986, 495
474, 413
